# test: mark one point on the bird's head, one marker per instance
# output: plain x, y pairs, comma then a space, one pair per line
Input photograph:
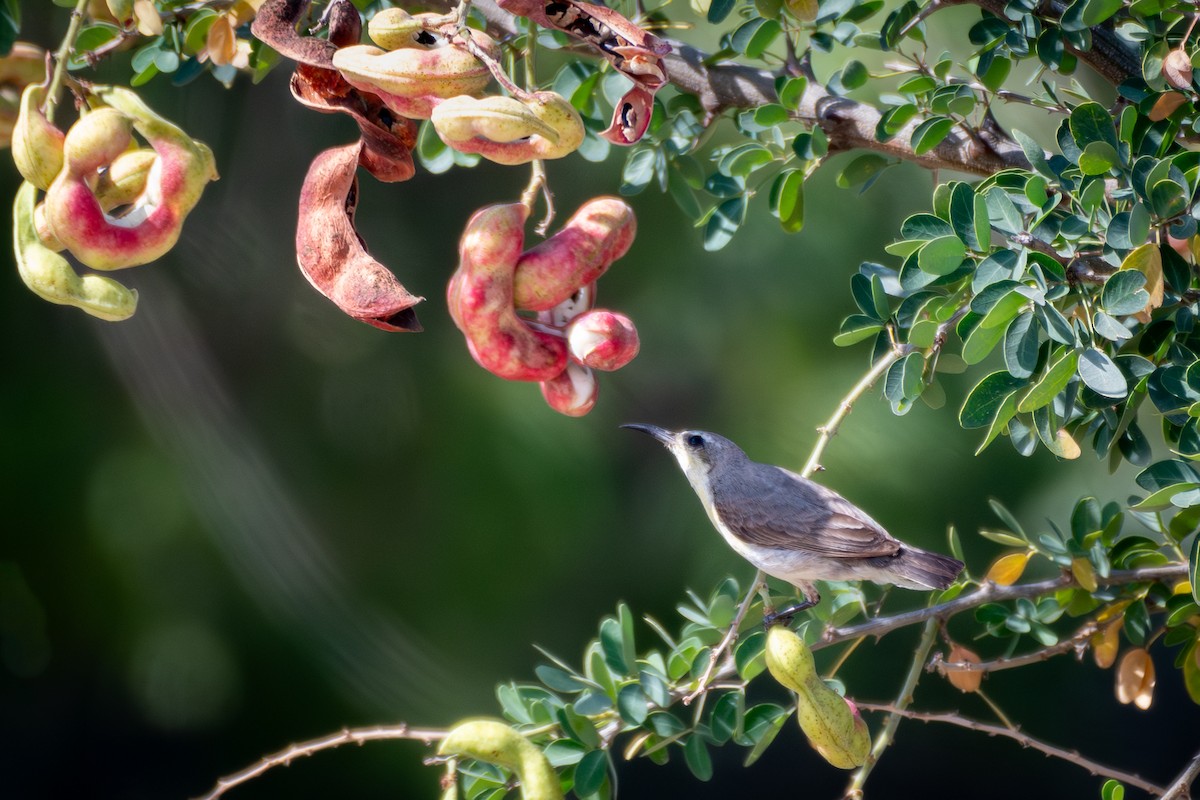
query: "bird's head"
698, 452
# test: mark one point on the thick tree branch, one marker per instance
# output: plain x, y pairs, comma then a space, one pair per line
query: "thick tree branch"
1108, 56
1024, 740
848, 125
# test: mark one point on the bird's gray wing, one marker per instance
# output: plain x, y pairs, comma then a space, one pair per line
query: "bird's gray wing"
773, 507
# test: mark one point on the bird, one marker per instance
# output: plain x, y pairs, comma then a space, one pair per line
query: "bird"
793, 528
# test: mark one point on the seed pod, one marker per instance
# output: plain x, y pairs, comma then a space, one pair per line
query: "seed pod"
412, 79
176, 181
603, 340
831, 723
37, 146
1177, 69
510, 131
480, 296
393, 28
598, 234
125, 179
573, 392
96, 140
495, 742
49, 275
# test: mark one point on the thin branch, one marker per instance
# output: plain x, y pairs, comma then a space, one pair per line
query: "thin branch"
726, 642
302, 749
830, 428
1023, 739
884, 738
60, 60
1180, 787
1076, 643
991, 593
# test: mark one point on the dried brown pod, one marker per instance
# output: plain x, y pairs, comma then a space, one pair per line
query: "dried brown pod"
331, 254
965, 680
633, 51
1135, 678
1177, 69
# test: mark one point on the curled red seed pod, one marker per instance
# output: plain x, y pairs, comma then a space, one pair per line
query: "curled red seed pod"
480, 295
599, 233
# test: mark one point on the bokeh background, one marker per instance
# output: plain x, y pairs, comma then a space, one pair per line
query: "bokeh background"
241, 519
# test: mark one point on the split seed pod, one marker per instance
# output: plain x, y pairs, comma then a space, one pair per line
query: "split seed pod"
510, 131
180, 172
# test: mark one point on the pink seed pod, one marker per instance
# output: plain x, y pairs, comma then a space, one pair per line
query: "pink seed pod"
561, 315
603, 340
599, 233
573, 392
152, 226
480, 296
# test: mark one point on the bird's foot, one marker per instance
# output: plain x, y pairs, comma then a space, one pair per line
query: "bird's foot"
784, 615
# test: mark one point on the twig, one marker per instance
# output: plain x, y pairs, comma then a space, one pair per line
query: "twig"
884, 738
1179, 787
60, 60
990, 592
1075, 643
830, 428
1023, 739
726, 641
345, 736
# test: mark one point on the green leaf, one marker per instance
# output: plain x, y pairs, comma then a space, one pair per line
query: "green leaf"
1021, 345
564, 753
695, 753
861, 170
962, 214
1096, 11
986, 399
1053, 381
1008, 410
557, 679
1123, 293
749, 657
930, 133
1167, 199
763, 723
1098, 158
791, 92
981, 341
855, 328
632, 704
1101, 375
942, 255
1034, 152
1194, 568
639, 170
726, 720
1089, 123
718, 10
790, 203
590, 773
724, 223
770, 115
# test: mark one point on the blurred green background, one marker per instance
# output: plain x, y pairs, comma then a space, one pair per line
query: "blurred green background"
242, 519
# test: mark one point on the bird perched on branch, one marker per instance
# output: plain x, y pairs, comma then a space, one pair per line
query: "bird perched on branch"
792, 528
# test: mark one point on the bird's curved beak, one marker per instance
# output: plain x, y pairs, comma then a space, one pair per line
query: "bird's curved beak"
664, 436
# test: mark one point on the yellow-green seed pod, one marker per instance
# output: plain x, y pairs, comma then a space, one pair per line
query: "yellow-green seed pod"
393, 28
495, 742
37, 146
50, 276
96, 140
831, 723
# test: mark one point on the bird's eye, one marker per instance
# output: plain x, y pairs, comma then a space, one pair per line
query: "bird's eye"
695, 440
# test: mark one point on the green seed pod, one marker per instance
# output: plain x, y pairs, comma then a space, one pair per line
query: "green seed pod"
49, 275
37, 146
125, 179
495, 742
831, 723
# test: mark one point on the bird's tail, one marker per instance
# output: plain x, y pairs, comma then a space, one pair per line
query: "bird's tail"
913, 568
